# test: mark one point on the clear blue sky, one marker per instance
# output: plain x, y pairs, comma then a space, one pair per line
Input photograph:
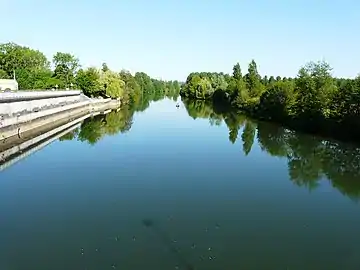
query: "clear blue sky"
168, 39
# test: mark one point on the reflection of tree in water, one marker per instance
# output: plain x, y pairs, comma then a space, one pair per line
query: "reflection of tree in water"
201, 109
310, 158
216, 113
70, 136
95, 128
341, 164
91, 129
234, 122
121, 121
272, 139
248, 136
304, 160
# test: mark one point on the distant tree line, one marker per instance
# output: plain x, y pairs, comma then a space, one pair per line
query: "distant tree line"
310, 158
33, 71
314, 101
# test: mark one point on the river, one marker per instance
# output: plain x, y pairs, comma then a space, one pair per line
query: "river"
182, 188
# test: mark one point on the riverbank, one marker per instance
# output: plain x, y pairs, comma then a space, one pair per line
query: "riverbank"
16, 148
22, 112
344, 131
314, 101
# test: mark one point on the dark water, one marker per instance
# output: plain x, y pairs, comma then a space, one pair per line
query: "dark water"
162, 190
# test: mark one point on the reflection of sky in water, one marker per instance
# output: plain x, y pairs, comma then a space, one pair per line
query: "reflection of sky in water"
209, 205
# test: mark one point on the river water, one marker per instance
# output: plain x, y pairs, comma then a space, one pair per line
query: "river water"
182, 188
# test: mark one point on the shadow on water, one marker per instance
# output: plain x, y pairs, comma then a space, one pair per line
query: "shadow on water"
149, 223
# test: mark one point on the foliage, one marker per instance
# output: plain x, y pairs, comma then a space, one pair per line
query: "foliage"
314, 100
112, 83
310, 159
66, 66
277, 102
93, 129
88, 81
4, 74
14, 57
33, 71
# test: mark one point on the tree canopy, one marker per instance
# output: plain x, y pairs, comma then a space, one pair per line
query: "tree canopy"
314, 100
33, 71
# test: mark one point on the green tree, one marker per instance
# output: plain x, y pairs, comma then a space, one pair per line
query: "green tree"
4, 74
112, 84
253, 80
14, 57
145, 82
315, 88
237, 75
66, 67
104, 67
265, 80
271, 80
132, 88
277, 102
241, 94
88, 81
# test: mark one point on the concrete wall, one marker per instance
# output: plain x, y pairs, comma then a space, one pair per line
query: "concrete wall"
33, 95
20, 119
16, 148
14, 109
24, 111
12, 155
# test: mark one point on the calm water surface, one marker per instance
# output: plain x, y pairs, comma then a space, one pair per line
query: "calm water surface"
182, 188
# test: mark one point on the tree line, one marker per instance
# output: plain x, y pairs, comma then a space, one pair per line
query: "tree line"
309, 158
33, 71
313, 101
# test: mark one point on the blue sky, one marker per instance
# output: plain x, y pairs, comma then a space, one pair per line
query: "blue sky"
168, 39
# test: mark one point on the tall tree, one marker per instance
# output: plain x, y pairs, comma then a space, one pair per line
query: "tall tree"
104, 67
237, 75
253, 80
66, 67
89, 81
315, 88
112, 84
14, 57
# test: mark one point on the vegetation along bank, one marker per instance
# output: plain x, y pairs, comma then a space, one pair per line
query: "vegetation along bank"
33, 71
313, 101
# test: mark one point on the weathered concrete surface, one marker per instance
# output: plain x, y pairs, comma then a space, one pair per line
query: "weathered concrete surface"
16, 148
34, 95
25, 111
23, 150
33, 121
10, 109
27, 135
27, 117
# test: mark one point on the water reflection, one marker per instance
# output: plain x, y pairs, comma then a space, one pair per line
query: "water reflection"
310, 158
178, 201
93, 129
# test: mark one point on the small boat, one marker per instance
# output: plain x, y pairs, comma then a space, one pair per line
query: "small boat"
177, 105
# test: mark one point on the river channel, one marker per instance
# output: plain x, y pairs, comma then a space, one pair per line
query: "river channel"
182, 188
